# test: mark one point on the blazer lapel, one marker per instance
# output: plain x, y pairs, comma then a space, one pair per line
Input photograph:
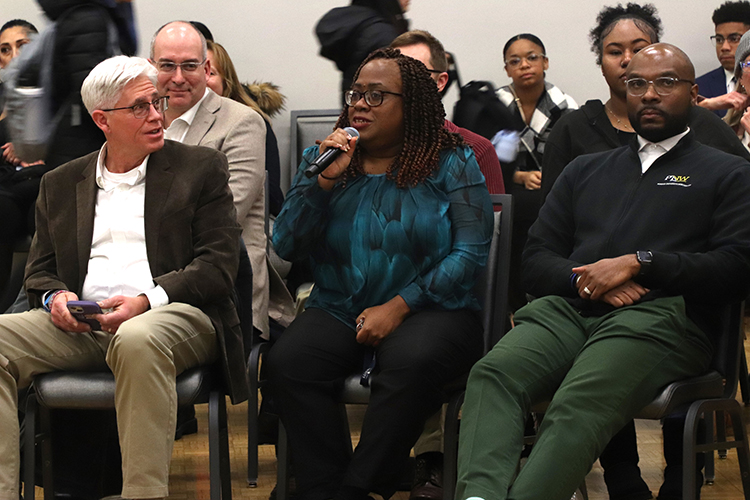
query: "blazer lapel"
159, 180
85, 207
203, 120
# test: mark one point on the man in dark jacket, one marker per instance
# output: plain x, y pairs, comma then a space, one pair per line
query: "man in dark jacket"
634, 258
153, 240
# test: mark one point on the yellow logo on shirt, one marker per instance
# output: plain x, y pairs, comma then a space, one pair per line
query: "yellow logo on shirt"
675, 180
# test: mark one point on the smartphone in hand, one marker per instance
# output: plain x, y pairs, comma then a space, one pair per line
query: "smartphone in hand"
82, 310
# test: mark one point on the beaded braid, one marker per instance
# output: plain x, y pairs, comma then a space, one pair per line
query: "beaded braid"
424, 116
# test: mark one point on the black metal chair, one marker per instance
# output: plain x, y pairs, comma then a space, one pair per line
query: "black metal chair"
491, 289
710, 395
96, 391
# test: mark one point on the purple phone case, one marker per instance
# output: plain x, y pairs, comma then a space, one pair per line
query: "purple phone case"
82, 309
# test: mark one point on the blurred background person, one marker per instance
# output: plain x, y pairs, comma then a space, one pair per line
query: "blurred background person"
348, 34
537, 104
717, 89
17, 193
739, 118
224, 81
398, 229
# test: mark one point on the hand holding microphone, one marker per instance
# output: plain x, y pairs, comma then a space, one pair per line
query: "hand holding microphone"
340, 141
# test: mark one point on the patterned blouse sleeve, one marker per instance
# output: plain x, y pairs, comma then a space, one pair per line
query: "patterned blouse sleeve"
302, 222
449, 281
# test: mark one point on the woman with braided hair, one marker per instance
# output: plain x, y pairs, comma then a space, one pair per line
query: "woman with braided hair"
397, 229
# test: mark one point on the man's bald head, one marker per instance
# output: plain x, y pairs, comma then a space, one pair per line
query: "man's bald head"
178, 50
665, 51
668, 77
185, 31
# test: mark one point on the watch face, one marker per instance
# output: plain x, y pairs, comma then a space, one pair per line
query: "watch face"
644, 257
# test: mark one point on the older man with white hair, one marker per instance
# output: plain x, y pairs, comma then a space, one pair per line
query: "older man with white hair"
146, 228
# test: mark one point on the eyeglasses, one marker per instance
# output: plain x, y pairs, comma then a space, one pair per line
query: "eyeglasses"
372, 97
733, 39
664, 85
186, 67
532, 58
745, 65
142, 109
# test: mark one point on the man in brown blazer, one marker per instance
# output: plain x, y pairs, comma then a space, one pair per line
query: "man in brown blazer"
198, 116
146, 228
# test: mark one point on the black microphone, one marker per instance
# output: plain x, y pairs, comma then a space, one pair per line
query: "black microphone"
325, 158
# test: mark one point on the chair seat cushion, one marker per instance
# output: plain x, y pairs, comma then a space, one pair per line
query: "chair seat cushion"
96, 390
674, 396
683, 392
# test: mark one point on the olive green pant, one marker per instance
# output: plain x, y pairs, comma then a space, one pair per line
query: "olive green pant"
598, 373
145, 355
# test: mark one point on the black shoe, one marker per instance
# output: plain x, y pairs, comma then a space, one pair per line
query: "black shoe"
428, 477
624, 482
186, 422
671, 489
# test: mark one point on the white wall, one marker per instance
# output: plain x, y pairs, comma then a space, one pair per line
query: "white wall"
273, 40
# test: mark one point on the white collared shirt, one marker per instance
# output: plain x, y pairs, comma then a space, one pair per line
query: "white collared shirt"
649, 152
179, 127
731, 81
118, 263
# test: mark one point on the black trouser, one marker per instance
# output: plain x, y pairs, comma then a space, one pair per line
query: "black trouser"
308, 365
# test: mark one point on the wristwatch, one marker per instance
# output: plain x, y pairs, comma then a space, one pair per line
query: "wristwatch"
645, 257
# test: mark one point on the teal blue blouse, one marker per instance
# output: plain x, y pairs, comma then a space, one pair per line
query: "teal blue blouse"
371, 241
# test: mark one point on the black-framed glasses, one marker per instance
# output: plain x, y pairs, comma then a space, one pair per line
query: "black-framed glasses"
532, 58
664, 85
372, 97
186, 67
733, 39
142, 109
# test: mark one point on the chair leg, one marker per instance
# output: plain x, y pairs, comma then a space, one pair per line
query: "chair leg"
744, 389
689, 445
218, 448
709, 473
29, 447
721, 432
743, 453
252, 438
48, 473
282, 465
450, 446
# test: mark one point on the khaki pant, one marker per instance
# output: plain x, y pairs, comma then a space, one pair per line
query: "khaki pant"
145, 355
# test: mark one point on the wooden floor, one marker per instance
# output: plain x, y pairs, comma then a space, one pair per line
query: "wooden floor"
189, 470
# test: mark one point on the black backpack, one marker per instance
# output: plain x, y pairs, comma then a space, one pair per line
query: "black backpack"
479, 110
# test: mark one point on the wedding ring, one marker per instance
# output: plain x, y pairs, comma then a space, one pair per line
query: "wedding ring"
360, 323
586, 290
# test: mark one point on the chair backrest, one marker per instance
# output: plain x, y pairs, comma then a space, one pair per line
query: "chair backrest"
493, 293
728, 347
308, 126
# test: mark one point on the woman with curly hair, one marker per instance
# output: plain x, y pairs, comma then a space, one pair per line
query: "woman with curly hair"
397, 228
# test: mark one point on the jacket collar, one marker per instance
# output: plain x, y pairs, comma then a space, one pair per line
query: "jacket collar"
204, 118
